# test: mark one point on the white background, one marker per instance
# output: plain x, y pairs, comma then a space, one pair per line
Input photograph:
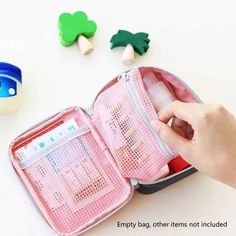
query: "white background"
195, 40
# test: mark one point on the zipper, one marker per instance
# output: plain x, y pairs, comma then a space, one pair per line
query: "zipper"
138, 104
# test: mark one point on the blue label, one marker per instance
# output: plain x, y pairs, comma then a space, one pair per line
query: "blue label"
8, 87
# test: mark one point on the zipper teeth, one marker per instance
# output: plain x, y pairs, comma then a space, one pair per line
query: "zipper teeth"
143, 114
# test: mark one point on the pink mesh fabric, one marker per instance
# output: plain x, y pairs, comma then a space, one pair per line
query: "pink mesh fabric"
130, 140
77, 184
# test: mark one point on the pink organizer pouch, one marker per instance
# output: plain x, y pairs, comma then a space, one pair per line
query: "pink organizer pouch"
81, 166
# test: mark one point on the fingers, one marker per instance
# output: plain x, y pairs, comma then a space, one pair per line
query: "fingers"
179, 126
182, 128
181, 145
189, 132
183, 111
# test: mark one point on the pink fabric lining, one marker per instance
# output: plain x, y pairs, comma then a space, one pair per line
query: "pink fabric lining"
180, 89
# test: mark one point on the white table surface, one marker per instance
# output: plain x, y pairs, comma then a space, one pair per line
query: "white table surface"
195, 40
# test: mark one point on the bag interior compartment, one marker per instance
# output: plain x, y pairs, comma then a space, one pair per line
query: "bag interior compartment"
172, 88
128, 136
127, 132
73, 181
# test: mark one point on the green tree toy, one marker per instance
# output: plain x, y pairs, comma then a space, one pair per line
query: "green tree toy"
138, 42
76, 27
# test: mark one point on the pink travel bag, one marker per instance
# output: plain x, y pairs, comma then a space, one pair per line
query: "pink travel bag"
80, 166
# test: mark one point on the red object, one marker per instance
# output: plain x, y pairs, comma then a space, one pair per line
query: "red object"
178, 164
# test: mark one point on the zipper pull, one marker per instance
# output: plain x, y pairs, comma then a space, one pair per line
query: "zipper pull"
134, 183
124, 76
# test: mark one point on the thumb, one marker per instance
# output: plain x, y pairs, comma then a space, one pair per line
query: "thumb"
171, 138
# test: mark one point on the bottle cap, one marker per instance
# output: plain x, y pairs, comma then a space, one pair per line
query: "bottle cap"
11, 70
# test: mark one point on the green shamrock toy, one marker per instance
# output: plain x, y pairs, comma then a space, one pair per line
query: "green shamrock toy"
138, 42
76, 27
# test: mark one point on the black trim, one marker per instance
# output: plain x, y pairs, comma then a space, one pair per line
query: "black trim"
152, 188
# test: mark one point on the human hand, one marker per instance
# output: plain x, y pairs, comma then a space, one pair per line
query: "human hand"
204, 135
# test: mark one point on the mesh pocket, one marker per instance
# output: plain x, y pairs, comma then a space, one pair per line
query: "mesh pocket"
76, 184
130, 139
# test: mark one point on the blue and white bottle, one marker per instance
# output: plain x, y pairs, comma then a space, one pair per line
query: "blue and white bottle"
10, 88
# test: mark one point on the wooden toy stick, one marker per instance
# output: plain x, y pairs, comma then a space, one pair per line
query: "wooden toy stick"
84, 44
128, 55
76, 27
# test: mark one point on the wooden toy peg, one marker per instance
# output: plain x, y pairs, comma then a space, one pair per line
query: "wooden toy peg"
128, 55
84, 44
